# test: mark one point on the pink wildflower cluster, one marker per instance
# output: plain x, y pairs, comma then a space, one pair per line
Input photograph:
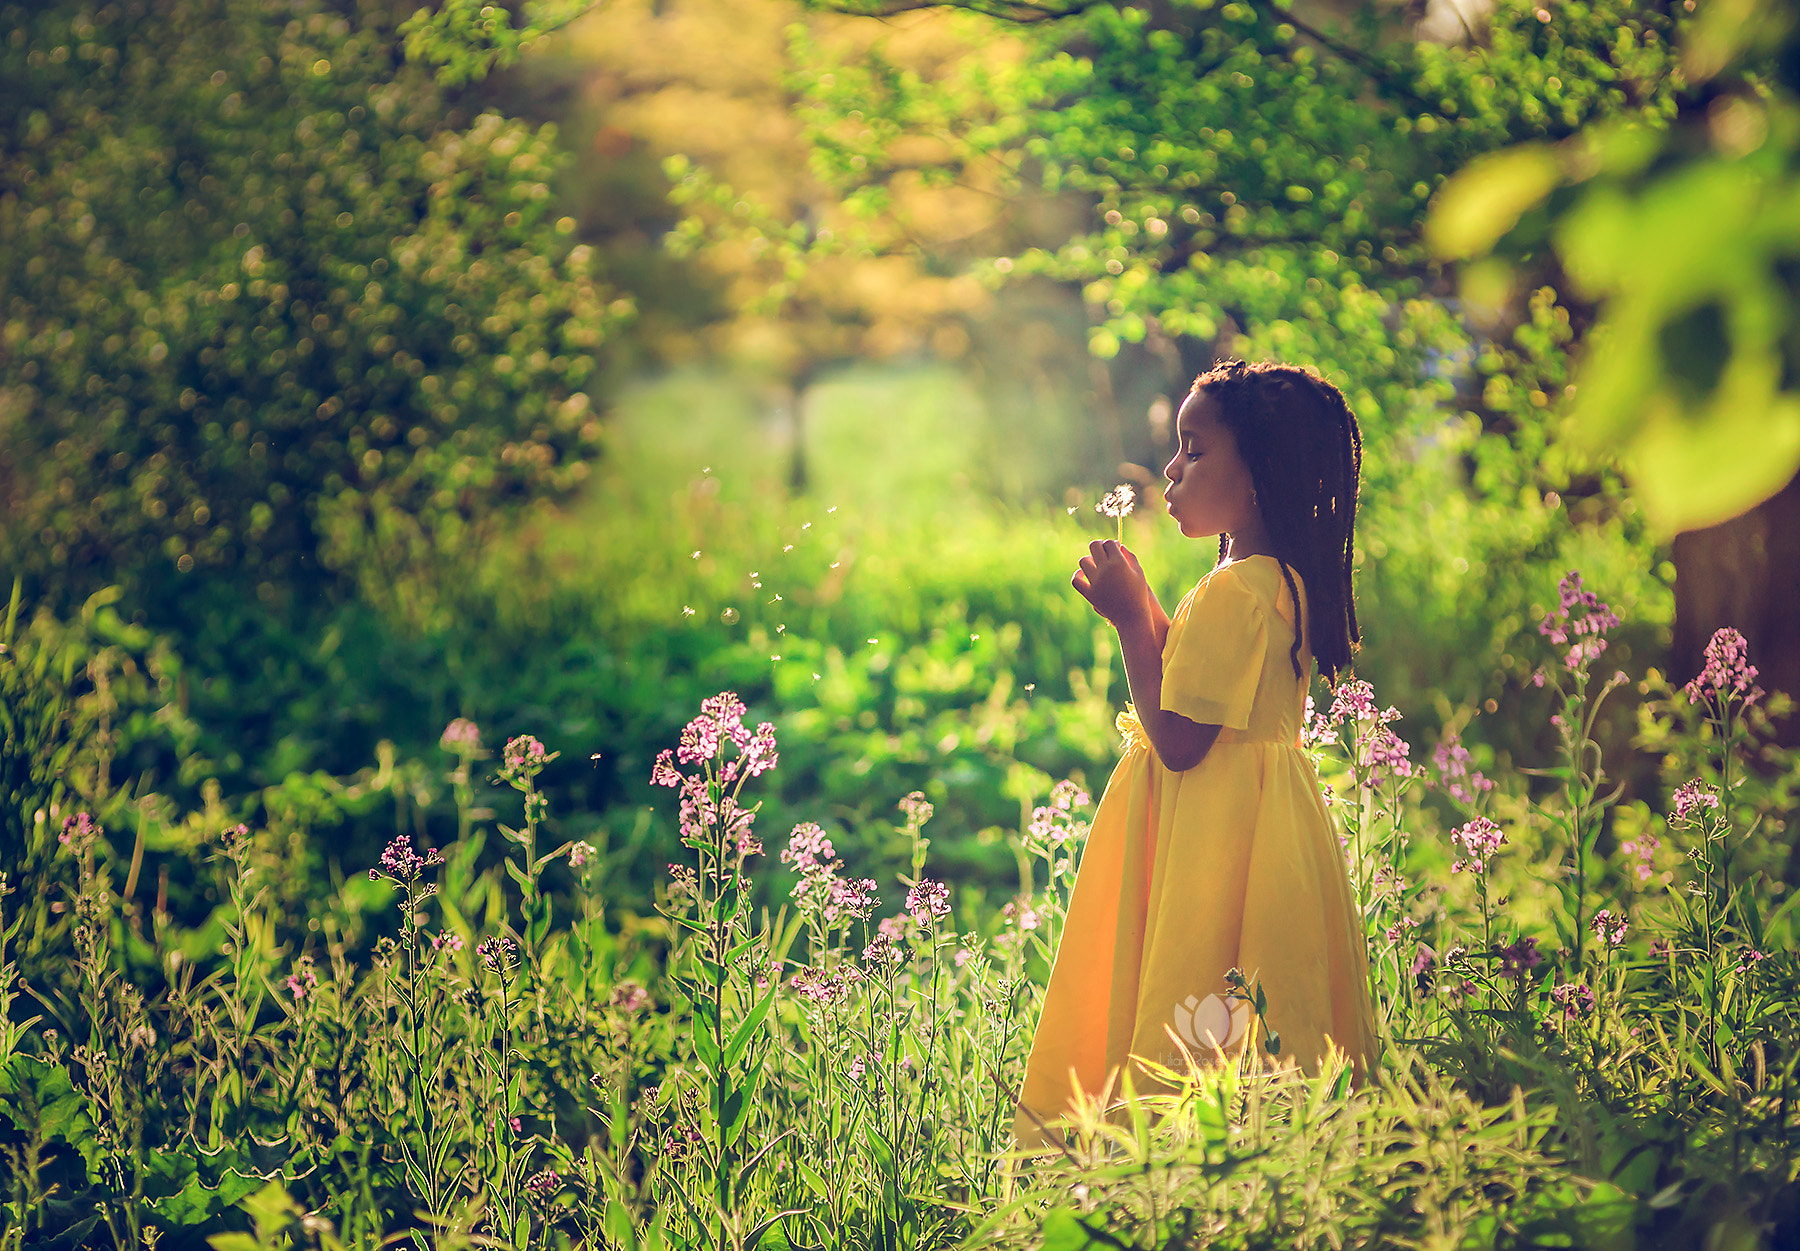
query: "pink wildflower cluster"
1749, 958
403, 864
826, 987
835, 898
628, 996
1690, 798
498, 953
302, 981
1574, 998
927, 900
447, 941
1642, 851
580, 852
1451, 760
1728, 673
1580, 616
543, 1186
1478, 841
461, 736
1316, 730
810, 851
1054, 824
79, 832
916, 809
1380, 749
887, 947
1609, 927
1519, 957
523, 759
721, 721
702, 740
1399, 930
1029, 918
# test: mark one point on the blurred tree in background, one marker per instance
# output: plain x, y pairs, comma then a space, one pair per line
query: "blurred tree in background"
273, 304
1688, 239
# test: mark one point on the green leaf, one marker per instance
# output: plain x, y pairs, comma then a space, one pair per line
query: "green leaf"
1479, 204
1063, 1231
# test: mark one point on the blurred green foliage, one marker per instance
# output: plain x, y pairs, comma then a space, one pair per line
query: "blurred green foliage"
271, 301
1694, 369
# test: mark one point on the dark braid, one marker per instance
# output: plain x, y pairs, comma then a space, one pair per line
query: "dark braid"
1301, 443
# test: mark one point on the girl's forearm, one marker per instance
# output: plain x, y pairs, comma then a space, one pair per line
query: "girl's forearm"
1180, 743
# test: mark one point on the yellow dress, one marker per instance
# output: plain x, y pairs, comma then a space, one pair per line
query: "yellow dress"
1234, 862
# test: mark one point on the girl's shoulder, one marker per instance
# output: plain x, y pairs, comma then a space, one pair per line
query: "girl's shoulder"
1260, 576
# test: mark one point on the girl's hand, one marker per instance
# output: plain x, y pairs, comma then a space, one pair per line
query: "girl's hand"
1111, 580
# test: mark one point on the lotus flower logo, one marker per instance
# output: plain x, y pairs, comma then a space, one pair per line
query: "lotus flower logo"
1212, 1023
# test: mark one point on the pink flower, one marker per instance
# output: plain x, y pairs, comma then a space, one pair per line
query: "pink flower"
1576, 999
759, 755
79, 832
1451, 760
1728, 673
663, 773
927, 900
301, 982
541, 1186
446, 941
825, 988
1517, 959
1749, 958
1067, 796
856, 1069
402, 863
850, 899
1643, 851
498, 953
1580, 616
580, 853
628, 996
523, 759
810, 851
1608, 928
1478, 840
915, 808
1353, 700
462, 737
1691, 797
1316, 729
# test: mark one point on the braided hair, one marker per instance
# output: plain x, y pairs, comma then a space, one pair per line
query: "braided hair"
1300, 441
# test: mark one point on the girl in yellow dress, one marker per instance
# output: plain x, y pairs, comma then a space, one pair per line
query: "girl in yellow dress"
1212, 848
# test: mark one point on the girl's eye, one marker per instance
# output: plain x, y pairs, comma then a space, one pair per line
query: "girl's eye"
1193, 455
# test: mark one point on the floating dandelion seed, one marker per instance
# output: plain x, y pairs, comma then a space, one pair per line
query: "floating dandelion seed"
815, 677
695, 553
687, 610
836, 563
775, 657
1071, 512
708, 469
874, 640
781, 629
777, 598
973, 637
595, 756
832, 509
1030, 686
729, 616
756, 584
1116, 504
806, 525
788, 548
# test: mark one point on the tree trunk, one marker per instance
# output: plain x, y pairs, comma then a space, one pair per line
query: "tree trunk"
1744, 573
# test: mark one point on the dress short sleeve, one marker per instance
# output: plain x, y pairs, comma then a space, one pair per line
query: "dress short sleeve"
1213, 656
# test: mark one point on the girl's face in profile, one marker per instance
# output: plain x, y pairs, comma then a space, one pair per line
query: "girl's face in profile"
1209, 486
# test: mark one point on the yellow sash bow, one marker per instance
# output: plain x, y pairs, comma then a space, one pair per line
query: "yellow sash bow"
1132, 729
